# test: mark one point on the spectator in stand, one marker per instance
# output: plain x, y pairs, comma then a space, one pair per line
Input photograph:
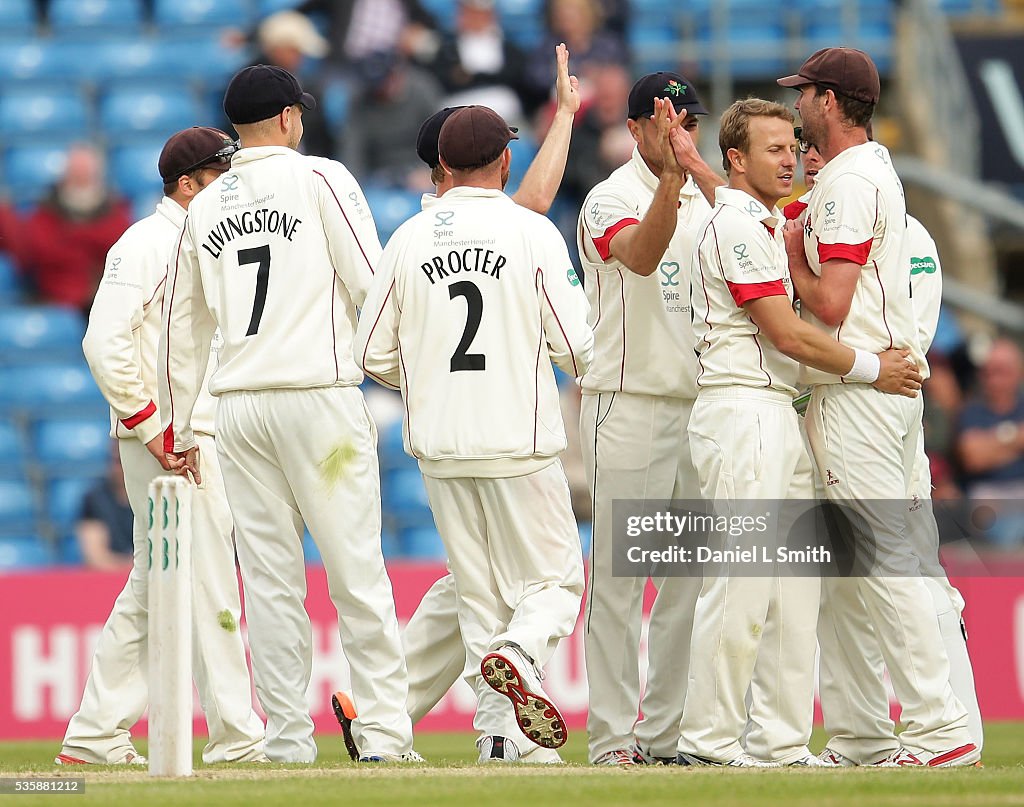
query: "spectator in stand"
379, 142
991, 443
287, 39
600, 143
62, 244
577, 23
105, 527
360, 29
477, 64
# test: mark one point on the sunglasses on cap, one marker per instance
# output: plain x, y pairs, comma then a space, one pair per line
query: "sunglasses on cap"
220, 157
803, 145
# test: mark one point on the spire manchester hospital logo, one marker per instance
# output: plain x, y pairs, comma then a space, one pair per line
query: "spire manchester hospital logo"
674, 88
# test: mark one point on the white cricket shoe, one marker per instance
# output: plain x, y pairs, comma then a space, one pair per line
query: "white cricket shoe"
834, 759
510, 672
742, 761
809, 761
619, 758
494, 748
964, 756
132, 757
383, 757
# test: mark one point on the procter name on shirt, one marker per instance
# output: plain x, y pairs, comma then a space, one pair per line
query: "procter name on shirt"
264, 220
456, 261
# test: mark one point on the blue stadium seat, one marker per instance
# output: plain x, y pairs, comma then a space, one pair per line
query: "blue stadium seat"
151, 109
443, 11
310, 551
422, 543
91, 18
17, 18
203, 14
205, 60
41, 390
29, 170
40, 332
389, 446
264, 8
23, 552
12, 446
655, 46
133, 168
28, 111
391, 208
17, 505
586, 531
407, 496
10, 282
73, 447
522, 21
64, 500
69, 551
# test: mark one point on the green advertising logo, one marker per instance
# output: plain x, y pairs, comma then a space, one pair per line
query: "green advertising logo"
166, 555
674, 88
151, 514
574, 279
165, 514
669, 270
923, 266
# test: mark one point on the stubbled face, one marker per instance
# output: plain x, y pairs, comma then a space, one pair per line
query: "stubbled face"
770, 162
812, 116
295, 133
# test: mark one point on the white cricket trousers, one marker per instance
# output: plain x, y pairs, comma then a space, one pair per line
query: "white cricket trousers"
854, 701
514, 549
750, 633
865, 445
310, 455
117, 690
635, 447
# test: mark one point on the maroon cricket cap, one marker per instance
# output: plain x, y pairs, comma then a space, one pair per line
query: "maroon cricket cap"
473, 137
194, 148
846, 71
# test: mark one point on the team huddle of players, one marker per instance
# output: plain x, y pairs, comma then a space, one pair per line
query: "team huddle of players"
683, 336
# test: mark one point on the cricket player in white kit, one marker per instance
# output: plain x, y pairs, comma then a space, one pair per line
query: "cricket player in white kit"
121, 348
635, 238
755, 633
847, 263
435, 654
854, 701
482, 415
278, 254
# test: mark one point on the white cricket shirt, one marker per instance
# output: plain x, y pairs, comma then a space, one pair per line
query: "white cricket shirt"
643, 336
474, 298
278, 253
740, 256
122, 339
857, 212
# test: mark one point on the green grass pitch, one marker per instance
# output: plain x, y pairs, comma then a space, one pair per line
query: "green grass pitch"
452, 778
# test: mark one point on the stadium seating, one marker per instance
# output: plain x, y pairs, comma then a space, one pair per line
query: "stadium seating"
17, 18
10, 284
12, 447
391, 208
422, 543
64, 499
39, 391
201, 14
32, 169
408, 496
148, 109
92, 18
133, 167
23, 552
29, 111
266, 7
73, 447
17, 506
34, 333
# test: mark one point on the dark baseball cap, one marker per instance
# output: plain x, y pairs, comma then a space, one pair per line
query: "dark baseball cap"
846, 71
195, 148
663, 85
473, 136
430, 131
262, 91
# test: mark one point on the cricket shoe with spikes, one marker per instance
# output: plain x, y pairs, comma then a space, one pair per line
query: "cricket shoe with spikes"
834, 759
965, 756
620, 758
497, 749
510, 672
345, 711
742, 761
381, 757
132, 757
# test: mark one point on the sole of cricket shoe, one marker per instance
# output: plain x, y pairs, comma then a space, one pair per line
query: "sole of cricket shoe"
345, 711
67, 759
538, 717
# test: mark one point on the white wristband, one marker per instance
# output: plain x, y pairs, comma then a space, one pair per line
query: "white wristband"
866, 367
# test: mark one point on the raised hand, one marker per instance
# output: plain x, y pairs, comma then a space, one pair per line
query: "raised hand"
567, 88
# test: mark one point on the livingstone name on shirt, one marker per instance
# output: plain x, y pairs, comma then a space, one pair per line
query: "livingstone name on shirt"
264, 220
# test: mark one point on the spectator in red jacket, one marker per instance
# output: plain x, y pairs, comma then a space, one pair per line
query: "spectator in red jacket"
62, 244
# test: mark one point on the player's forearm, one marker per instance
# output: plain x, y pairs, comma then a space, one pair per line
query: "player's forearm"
822, 297
645, 245
981, 450
706, 179
544, 176
813, 348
